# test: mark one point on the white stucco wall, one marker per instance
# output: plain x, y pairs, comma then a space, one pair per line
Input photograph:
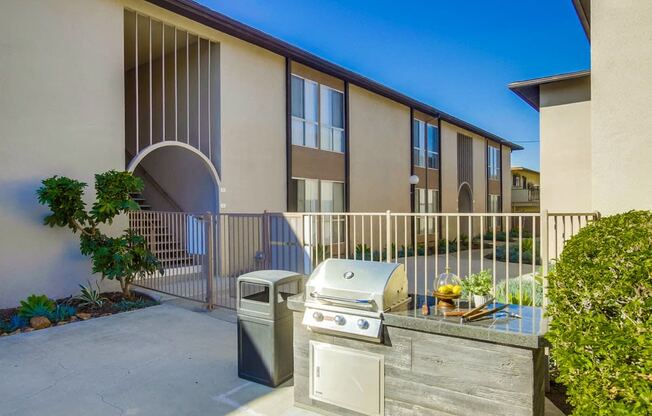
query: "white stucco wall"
621, 115
61, 112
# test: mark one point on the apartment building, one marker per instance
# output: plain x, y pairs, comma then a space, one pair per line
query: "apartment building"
525, 189
595, 124
214, 116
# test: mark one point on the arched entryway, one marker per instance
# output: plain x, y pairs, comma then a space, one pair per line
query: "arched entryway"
177, 177
465, 198
465, 205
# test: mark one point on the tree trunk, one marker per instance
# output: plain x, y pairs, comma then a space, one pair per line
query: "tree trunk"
125, 288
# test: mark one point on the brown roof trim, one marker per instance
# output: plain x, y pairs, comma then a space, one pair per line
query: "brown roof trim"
529, 90
583, 10
218, 21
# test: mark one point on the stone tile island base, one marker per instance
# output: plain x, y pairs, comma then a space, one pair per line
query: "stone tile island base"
428, 371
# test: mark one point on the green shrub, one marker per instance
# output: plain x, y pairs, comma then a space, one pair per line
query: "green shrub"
36, 305
128, 305
90, 296
525, 253
601, 316
14, 323
62, 313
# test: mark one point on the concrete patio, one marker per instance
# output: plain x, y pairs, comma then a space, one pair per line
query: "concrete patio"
163, 360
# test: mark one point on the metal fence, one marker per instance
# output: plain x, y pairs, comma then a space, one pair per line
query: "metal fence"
203, 254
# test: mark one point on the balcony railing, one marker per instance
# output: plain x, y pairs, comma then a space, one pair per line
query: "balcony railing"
525, 195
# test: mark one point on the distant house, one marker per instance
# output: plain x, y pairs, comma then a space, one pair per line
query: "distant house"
525, 189
596, 153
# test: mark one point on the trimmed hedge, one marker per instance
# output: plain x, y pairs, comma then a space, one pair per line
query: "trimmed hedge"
600, 308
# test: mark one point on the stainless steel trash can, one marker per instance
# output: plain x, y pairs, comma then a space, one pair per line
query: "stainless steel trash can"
265, 325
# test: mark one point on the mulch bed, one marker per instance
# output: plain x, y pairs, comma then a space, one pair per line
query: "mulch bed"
557, 395
110, 306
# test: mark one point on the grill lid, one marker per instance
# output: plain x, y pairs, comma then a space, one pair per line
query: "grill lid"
370, 285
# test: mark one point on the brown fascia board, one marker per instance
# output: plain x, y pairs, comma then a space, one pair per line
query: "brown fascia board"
529, 90
222, 23
583, 10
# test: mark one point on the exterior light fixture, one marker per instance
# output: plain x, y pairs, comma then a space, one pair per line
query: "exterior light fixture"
414, 179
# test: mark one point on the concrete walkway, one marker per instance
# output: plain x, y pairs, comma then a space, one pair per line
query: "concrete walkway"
163, 360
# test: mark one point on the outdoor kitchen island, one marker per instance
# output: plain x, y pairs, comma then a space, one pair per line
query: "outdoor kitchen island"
422, 365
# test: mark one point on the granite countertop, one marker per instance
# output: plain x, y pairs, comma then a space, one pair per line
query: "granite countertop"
525, 332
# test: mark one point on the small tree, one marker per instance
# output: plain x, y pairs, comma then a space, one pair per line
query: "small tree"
121, 258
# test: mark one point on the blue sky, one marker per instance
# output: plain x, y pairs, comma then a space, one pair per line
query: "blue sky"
455, 55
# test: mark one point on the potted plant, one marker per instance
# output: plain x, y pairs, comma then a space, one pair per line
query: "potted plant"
478, 285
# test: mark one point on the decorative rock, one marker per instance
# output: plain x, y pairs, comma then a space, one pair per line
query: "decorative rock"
28, 329
106, 314
83, 316
73, 318
39, 322
18, 331
61, 323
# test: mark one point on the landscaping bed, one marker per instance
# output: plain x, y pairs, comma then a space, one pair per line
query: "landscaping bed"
38, 312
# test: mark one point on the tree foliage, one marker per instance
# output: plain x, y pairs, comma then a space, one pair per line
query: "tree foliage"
601, 316
122, 258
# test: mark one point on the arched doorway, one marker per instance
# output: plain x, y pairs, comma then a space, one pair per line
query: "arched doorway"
465, 198
465, 205
177, 177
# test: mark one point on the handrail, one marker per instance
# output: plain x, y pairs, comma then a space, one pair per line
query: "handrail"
156, 185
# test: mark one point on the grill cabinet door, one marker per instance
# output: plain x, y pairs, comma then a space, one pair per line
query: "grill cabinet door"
348, 378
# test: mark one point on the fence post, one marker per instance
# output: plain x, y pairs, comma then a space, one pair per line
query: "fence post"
267, 242
544, 258
388, 238
210, 260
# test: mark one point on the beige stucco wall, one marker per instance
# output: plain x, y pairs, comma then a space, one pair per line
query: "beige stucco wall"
621, 115
379, 146
506, 172
252, 119
448, 135
565, 152
61, 112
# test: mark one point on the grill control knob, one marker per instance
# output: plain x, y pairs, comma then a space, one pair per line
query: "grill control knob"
317, 316
339, 319
363, 323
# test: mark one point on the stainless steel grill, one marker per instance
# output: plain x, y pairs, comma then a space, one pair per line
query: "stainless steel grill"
349, 297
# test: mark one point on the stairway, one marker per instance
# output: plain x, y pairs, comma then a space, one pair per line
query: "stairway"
165, 242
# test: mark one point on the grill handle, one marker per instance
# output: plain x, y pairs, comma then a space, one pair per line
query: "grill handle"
365, 303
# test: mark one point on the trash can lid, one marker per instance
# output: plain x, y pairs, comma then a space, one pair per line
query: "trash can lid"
272, 277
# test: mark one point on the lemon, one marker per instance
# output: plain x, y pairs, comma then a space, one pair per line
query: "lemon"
446, 289
457, 289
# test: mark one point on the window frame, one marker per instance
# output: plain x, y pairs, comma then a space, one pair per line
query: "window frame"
417, 150
436, 147
318, 123
493, 163
498, 200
